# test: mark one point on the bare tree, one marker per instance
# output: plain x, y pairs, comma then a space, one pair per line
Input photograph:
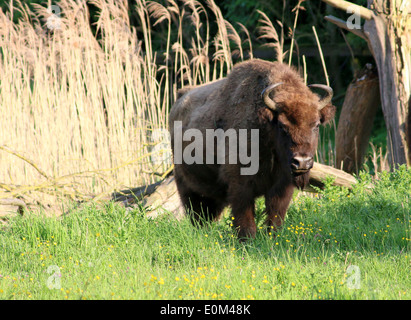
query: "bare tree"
387, 30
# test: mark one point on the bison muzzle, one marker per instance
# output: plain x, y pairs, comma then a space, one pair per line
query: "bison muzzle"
257, 95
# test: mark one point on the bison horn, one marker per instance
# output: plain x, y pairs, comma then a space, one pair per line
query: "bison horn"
326, 99
265, 94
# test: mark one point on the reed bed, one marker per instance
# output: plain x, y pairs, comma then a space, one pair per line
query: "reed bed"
85, 115
84, 108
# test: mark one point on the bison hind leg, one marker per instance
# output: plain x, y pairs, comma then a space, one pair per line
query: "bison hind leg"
201, 209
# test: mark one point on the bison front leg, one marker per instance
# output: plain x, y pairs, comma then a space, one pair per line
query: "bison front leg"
242, 210
277, 201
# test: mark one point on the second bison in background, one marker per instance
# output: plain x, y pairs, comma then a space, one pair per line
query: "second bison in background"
270, 98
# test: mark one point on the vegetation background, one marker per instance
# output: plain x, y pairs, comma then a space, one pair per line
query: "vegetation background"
84, 100
82, 137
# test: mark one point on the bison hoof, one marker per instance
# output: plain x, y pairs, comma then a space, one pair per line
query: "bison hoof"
245, 234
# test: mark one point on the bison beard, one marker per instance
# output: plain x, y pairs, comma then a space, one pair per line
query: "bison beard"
269, 97
301, 180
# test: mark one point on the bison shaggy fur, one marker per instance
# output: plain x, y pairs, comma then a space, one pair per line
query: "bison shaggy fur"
288, 129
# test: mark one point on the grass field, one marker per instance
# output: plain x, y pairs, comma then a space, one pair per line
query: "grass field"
338, 245
83, 122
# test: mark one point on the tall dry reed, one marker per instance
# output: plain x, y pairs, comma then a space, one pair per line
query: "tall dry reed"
82, 114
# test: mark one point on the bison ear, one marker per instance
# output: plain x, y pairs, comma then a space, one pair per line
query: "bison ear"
265, 115
327, 113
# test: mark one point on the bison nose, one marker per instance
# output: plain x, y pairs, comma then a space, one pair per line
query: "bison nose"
302, 164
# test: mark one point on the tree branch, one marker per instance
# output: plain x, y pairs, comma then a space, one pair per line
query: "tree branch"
365, 13
343, 24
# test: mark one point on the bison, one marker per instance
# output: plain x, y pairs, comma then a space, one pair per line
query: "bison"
269, 97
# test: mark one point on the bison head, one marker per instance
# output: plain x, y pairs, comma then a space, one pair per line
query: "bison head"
297, 117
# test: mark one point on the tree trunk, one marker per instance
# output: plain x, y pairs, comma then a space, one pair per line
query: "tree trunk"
387, 30
389, 39
361, 102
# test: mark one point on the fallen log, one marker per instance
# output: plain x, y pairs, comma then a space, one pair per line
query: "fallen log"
12, 205
163, 196
156, 198
320, 172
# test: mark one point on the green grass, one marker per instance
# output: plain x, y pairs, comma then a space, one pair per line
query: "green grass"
107, 252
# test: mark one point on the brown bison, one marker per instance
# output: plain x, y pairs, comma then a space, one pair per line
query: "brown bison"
257, 96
